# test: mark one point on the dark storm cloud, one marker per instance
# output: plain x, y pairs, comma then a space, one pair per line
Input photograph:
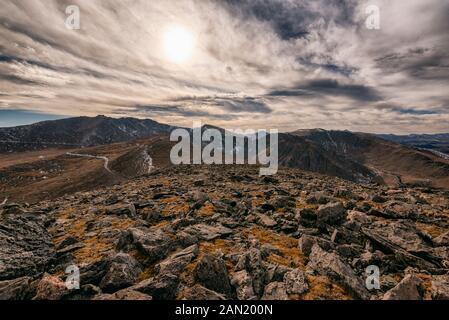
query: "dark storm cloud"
60, 69
231, 104
290, 93
344, 70
422, 63
172, 110
292, 19
407, 110
332, 88
18, 80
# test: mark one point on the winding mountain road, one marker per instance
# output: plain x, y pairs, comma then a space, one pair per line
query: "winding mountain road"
105, 159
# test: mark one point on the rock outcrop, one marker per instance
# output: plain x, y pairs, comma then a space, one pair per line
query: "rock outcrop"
215, 233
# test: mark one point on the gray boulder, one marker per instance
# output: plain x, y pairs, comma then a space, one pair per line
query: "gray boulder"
306, 242
153, 243
176, 263
160, 287
17, 289
440, 287
208, 232
243, 284
442, 240
401, 233
253, 263
407, 289
295, 282
330, 264
266, 221
121, 209
122, 272
26, 248
211, 272
198, 292
331, 214
125, 294
275, 291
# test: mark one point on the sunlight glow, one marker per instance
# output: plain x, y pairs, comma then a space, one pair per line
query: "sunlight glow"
179, 44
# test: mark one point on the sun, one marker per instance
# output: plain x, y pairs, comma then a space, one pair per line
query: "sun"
179, 44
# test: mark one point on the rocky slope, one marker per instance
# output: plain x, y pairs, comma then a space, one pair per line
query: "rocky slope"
225, 233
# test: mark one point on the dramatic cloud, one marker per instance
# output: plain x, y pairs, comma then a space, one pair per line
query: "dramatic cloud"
332, 88
284, 64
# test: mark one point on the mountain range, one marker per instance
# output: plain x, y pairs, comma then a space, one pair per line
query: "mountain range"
433, 142
53, 158
77, 132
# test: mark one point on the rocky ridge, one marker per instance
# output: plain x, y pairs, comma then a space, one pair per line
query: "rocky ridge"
220, 232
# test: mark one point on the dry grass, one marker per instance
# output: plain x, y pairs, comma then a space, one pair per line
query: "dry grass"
258, 198
426, 285
431, 229
12, 159
95, 248
75, 229
225, 246
208, 210
146, 273
174, 205
290, 255
321, 288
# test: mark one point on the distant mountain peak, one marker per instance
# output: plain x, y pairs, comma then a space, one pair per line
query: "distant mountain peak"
79, 131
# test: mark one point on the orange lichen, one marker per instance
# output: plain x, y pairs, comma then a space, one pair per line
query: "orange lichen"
225, 246
431, 229
187, 276
258, 198
321, 288
208, 210
169, 200
95, 250
76, 229
290, 256
426, 285
174, 206
146, 273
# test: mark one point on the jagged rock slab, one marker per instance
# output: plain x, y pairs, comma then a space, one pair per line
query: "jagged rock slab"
407, 289
26, 248
16, 289
330, 264
198, 292
440, 287
208, 232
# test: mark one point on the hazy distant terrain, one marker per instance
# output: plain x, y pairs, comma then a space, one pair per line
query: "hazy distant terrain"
436, 142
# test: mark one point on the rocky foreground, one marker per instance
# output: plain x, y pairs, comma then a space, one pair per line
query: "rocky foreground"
226, 233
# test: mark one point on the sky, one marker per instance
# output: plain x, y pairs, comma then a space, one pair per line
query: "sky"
260, 64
